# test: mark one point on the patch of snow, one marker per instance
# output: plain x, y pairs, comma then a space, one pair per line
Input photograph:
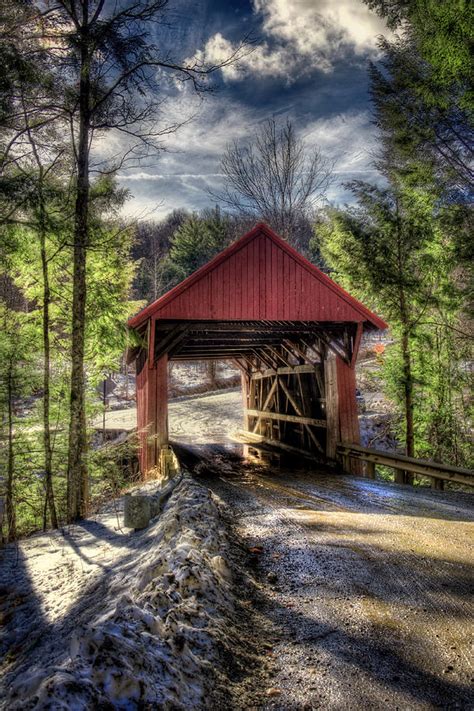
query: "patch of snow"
154, 628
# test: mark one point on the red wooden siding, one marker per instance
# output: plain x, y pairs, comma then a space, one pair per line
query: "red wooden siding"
259, 277
346, 390
230, 292
142, 410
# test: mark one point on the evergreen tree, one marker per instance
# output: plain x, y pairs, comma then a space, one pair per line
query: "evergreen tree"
392, 252
151, 246
18, 378
194, 243
378, 250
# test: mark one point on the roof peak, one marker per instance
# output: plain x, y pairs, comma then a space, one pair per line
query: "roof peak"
227, 254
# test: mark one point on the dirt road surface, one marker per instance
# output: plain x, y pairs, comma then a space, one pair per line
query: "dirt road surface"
364, 587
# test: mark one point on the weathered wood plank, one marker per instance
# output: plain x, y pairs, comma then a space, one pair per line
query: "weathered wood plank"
400, 461
332, 404
271, 372
252, 439
265, 404
287, 418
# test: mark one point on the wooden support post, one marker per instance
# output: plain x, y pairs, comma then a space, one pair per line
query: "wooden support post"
142, 412
332, 404
346, 467
246, 388
161, 404
348, 414
370, 470
156, 413
401, 477
162, 398
151, 342
356, 343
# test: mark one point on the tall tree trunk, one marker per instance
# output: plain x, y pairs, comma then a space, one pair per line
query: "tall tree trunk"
408, 387
9, 499
77, 478
42, 222
403, 477
48, 469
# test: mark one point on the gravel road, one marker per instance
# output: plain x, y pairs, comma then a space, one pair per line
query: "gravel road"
363, 586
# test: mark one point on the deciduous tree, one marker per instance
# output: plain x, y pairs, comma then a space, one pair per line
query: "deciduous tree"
275, 177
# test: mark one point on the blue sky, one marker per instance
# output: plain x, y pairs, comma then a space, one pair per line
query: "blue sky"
309, 65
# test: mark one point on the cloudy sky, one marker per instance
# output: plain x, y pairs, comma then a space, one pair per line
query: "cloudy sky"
310, 65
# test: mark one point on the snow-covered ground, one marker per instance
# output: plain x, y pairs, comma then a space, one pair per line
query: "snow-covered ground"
100, 617
183, 378
197, 419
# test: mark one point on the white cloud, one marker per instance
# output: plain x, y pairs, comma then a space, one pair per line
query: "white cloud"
314, 26
181, 177
261, 60
300, 36
350, 139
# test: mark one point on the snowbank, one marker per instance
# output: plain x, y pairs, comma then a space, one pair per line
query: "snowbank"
159, 644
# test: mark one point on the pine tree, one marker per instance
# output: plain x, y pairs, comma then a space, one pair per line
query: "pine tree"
194, 243
18, 378
381, 251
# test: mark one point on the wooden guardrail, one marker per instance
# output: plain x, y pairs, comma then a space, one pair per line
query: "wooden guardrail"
437, 471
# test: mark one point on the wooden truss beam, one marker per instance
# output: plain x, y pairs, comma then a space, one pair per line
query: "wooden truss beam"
300, 414
285, 418
290, 370
253, 439
170, 341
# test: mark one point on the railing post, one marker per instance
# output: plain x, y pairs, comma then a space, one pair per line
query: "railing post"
346, 466
370, 470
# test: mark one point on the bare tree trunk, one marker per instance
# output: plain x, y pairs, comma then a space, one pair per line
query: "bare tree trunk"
48, 468
77, 477
404, 477
9, 499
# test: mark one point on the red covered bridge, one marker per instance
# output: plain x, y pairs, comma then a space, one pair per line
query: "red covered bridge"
292, 331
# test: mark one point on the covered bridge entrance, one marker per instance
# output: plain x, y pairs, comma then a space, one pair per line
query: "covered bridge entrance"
291, 330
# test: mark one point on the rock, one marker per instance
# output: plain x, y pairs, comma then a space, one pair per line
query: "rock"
137, 511
273, 691
272, 577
